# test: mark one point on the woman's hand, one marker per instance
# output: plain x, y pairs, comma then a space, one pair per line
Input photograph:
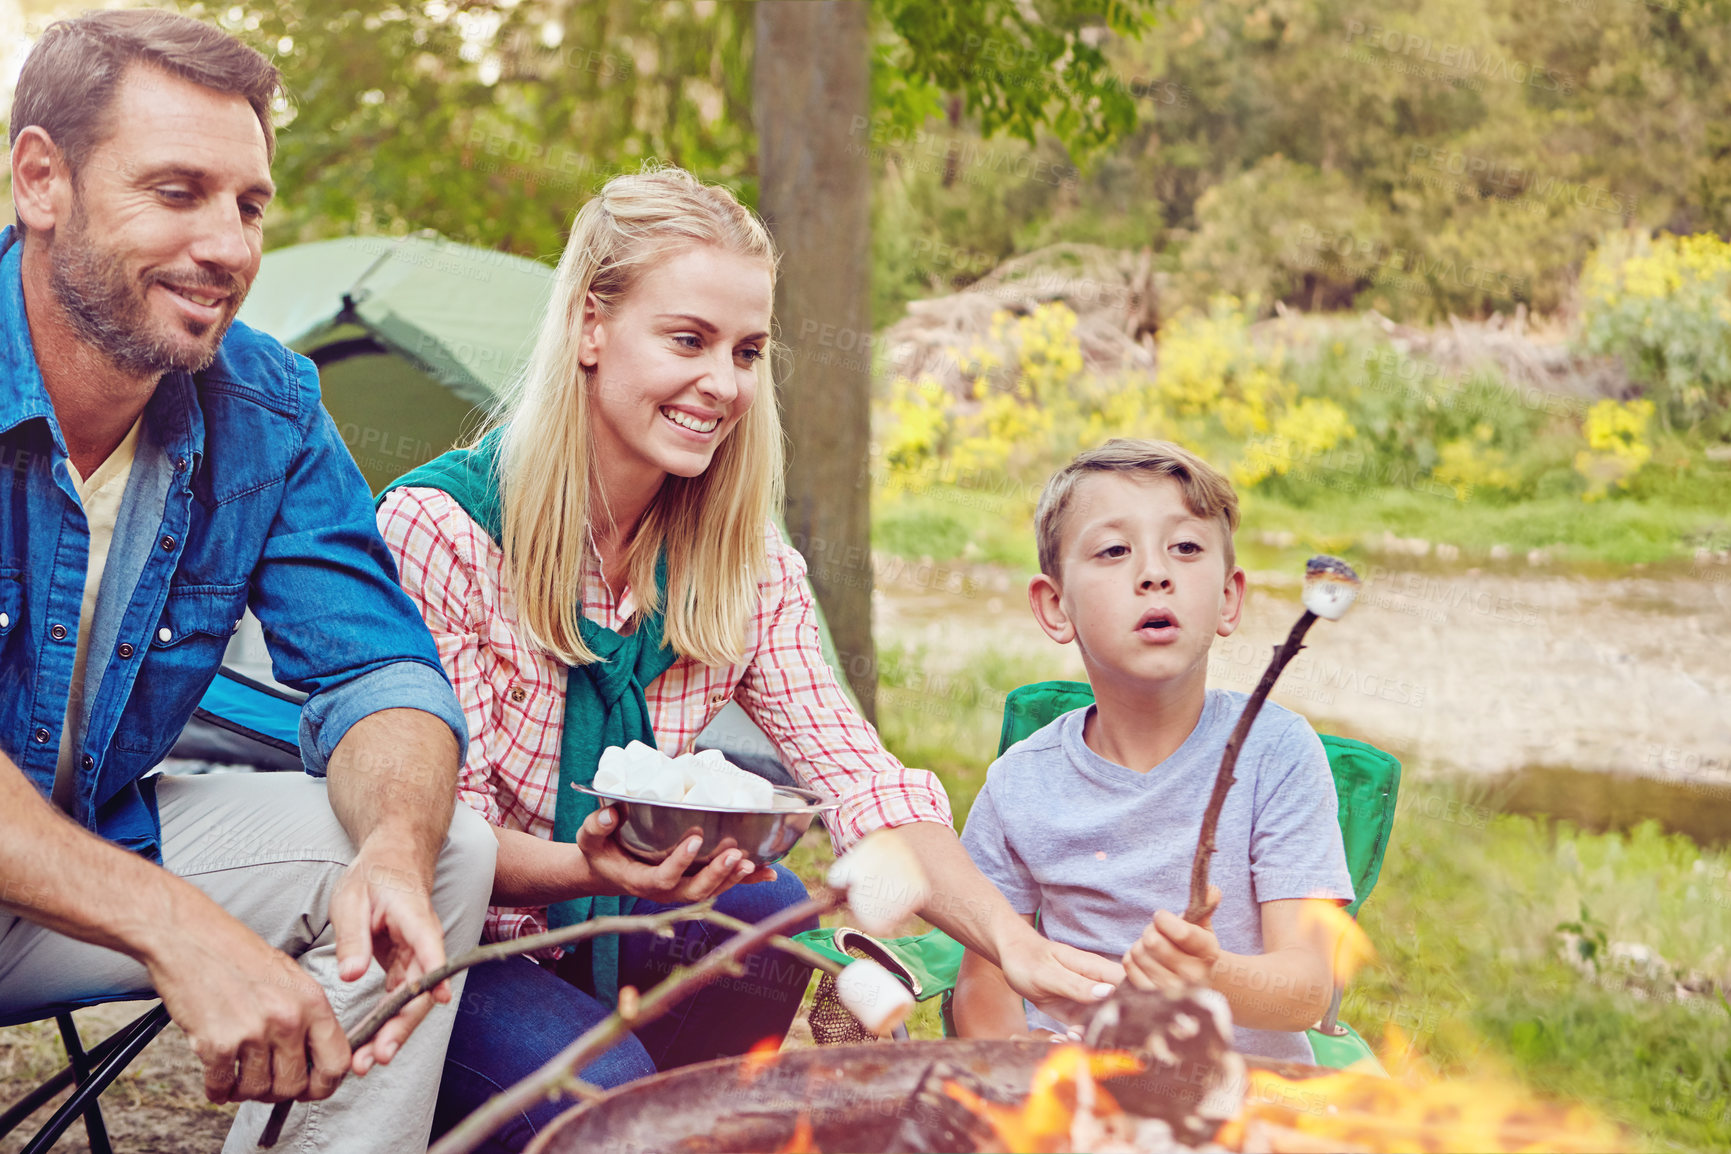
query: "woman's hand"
616, 871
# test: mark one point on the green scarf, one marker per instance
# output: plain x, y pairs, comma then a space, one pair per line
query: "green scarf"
604, 702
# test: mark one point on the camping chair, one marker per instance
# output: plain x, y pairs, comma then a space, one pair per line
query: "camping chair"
90, 1071
1366, 781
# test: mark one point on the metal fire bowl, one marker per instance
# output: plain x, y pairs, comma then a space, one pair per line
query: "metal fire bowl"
745, 1105
652, 830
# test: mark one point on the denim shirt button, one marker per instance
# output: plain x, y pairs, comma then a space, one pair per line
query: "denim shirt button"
168, 544
165, 635
58, 633
41, 735
88, 762
125, 650
180, 464
5, 620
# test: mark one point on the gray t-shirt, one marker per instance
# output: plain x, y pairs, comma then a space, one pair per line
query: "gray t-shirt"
1095, 848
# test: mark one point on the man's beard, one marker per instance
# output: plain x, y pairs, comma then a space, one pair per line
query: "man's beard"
109, 310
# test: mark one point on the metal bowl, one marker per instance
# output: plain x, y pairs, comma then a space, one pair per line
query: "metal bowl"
651, 830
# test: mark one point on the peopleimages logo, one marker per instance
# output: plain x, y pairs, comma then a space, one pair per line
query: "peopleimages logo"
1480, 172
1464, 60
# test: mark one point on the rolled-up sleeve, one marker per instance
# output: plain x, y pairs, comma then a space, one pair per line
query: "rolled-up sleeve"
791, 692
338, 626
326, 717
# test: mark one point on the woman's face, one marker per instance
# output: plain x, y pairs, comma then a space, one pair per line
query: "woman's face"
675, 365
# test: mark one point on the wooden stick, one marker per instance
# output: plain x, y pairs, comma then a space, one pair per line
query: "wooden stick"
502, 1107
799, 950
393, 1002
1200, 907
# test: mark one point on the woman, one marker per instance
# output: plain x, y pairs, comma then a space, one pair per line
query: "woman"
627, 495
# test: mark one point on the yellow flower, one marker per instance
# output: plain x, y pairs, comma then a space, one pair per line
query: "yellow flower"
1616, 446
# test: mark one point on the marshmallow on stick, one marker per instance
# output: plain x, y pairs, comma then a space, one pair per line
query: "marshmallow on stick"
1329, 588
883, 881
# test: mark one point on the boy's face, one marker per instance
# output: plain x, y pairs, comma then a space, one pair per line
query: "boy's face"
1143, 587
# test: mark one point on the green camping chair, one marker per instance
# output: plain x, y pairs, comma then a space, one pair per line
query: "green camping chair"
1366, 780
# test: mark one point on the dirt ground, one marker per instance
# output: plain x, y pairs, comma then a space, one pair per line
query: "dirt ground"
156, 1107
1466, 671
1470, 671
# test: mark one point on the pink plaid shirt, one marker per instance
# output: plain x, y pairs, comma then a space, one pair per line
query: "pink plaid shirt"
513, 694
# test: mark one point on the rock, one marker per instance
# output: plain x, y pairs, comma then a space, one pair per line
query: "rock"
1499, 552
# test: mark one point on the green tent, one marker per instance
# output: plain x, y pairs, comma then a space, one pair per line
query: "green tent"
414, 336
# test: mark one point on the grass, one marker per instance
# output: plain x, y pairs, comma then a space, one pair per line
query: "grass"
1617, 532
1466, 920
948, 522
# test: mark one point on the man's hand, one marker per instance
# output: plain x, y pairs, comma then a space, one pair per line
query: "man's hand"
617, 872
383, 910
1172, 953
252, 1015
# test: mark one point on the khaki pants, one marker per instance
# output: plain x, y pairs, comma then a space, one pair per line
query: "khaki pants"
267, 848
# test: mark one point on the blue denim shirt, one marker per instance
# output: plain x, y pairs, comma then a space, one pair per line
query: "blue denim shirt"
241, 494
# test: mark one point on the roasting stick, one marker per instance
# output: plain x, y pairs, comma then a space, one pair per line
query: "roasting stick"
1329, 587
409, 991
889, 887
861, 984
649, 923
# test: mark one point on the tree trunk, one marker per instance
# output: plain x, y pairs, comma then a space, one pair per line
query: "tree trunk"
812, 101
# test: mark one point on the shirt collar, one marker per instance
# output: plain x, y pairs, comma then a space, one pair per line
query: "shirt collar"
23, 397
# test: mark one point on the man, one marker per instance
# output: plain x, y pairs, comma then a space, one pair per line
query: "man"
162, 472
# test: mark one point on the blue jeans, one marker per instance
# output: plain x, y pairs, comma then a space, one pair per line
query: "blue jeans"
515, 1015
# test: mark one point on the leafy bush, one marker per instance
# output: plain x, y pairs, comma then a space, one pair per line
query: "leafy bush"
1342, 434
1663, 305
1354, 417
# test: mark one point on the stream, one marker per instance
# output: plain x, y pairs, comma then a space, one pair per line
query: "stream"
1601, 698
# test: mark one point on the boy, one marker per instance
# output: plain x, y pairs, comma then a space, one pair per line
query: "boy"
1091, 823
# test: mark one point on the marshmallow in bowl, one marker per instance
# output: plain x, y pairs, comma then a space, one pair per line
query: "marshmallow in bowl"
706, 779
639, 771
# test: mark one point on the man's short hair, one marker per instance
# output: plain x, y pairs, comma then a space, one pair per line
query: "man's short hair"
68, 83
1207, 492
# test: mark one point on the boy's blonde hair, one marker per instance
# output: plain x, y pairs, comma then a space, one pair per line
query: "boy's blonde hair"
1207, 492
711, 526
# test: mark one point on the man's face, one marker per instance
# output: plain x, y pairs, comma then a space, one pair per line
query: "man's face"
167, 225
1145, 588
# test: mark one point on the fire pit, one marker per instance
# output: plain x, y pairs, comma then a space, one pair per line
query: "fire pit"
855, 1098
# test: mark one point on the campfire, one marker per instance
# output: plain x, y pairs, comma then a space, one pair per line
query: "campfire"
1178, 1088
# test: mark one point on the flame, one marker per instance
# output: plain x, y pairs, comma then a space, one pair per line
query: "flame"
1366, 1112
801, 1141
759, 1058
1042, 1123
1348, 945
1411, 1112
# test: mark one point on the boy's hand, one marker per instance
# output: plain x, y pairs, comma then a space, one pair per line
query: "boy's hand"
1171, 952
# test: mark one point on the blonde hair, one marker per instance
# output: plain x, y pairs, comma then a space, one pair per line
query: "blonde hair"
1207, 492
711, 526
